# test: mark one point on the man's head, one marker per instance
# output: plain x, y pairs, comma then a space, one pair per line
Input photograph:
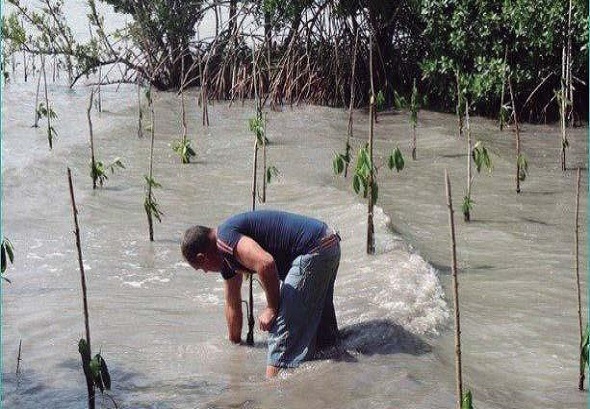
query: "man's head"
199, 248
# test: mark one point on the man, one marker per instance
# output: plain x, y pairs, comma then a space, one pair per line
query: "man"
301, 252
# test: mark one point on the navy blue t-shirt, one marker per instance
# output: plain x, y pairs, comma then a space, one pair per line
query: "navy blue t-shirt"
285, 236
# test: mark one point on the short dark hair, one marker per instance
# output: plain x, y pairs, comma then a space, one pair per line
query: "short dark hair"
195, 240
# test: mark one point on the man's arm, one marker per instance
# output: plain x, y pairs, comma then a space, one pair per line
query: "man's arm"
252, 256
233, 307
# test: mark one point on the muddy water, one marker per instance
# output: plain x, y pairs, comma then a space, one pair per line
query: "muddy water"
160, 325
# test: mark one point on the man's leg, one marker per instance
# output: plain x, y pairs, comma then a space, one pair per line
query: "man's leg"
327, 333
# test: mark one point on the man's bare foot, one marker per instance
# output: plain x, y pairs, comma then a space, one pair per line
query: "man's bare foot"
272, 371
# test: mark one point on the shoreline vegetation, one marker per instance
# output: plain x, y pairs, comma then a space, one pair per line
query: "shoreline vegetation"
301, 51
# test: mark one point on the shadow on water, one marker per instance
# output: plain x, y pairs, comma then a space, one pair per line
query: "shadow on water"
129, 389
381, 337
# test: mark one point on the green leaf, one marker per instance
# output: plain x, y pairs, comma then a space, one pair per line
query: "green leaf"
467, 205
481, 157
375, 192
338, 164
356, 183
523, 167
84, 349
6, 254
467, 401
398, 159
100, 373
584, 349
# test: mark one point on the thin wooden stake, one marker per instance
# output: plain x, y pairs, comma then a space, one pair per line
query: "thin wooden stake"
92, 158
36, 123
349, 133
49, 136
577, 241
151, 169
18, 358
517, 132
370, 224
459, 377
139, 111
89, 384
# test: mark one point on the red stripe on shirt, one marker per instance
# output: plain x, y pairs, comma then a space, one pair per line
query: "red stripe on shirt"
224, 247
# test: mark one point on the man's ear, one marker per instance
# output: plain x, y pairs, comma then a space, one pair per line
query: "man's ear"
200, 259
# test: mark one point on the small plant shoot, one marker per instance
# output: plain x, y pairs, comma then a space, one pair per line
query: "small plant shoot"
43, 111
256, 126
362, 171
467, 401
150, 204
183, 149
94, 368
341, 161
99, 172
584, 358
523, 167
481, 157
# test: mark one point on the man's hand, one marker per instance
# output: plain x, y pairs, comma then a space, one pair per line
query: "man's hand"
267, 318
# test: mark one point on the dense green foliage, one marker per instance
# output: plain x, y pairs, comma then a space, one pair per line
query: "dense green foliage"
476, 42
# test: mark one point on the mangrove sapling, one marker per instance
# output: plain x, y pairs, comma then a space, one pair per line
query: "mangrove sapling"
139, 111
183, 147
561, 98
98, 90
522, 166
150, 205
6, 255
414, 109
463, 401
379, 104
503, 113
578, 286
37, 113
95, 368
98, 170
45, 111
480, 156
349, 133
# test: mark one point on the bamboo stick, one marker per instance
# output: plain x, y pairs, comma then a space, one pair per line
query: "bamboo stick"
458, 370
582, 375
89, 384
